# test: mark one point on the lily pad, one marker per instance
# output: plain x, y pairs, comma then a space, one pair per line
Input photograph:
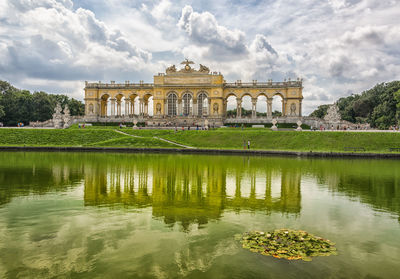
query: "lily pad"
287, 244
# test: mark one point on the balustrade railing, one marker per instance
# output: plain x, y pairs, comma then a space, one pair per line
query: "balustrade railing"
118, 85
255, 84
282, 84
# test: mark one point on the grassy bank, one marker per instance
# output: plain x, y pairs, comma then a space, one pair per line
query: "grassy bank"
264, 139
261, 139
74, 137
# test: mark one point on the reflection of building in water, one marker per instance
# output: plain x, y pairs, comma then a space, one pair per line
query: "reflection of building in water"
191, 193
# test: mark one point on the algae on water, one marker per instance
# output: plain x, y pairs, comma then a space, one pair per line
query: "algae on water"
287, 244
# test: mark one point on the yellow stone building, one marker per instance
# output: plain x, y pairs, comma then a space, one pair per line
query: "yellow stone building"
187, 94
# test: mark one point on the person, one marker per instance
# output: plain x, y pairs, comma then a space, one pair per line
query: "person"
120, 125
248, 144
244, 144
79, 125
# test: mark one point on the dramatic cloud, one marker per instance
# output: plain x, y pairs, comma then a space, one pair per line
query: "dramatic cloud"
339, 47
53, 41
204, 30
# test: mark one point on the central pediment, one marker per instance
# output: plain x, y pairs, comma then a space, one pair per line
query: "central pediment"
187, 75
187, 69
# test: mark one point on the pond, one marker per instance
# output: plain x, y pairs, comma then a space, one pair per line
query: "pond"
111, 215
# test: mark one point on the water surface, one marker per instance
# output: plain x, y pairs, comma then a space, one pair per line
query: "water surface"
93, 215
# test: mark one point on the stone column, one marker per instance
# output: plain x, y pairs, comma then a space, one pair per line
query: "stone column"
194, 107
209, 109
105, 108
112, 107
126, 107
165, 107
179, 106
132, 109
284, 102
119, 109
140, 106
253, 107
269, 107
146, 108
224, 107
96, 108
300, 107
238, 108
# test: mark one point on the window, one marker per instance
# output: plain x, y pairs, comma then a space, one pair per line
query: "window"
202, 104
187, 98
171, 102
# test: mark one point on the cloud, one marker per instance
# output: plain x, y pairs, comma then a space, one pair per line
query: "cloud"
161, 10
54, 42
204, 30
337, 46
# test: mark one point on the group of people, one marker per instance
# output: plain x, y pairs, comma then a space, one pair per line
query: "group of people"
197, 128
248, 144
20, 124
81, 125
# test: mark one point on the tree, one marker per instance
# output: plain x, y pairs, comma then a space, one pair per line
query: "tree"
76, 107
397, 98
2, 113
21, 106
276, 113
43, 106
377, 106
320, 112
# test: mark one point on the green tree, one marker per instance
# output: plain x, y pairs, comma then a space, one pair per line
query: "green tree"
276, 113
377, 106
397, 98
320, 112
76, 107
21, 106
43, 106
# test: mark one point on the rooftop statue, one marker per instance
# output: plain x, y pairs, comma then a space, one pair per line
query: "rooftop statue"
187, 67
204, 69
171, 69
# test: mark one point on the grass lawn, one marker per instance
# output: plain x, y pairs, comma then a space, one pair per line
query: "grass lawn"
265, 139
127, 141
228, 138
74, 137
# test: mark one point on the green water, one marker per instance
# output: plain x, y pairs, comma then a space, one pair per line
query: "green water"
88, 215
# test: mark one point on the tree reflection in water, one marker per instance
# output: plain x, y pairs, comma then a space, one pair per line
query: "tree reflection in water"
196, 188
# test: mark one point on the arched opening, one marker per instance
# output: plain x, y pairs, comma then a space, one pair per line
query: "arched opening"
246, 106
261, 106
148, 105
133, 105
187, 104
202, 104
171, 104
104, 106
118, 100
277, 105
231, 106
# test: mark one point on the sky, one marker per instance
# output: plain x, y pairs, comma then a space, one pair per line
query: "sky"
338, 47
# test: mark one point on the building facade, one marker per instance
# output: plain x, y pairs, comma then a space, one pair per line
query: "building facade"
187, 94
